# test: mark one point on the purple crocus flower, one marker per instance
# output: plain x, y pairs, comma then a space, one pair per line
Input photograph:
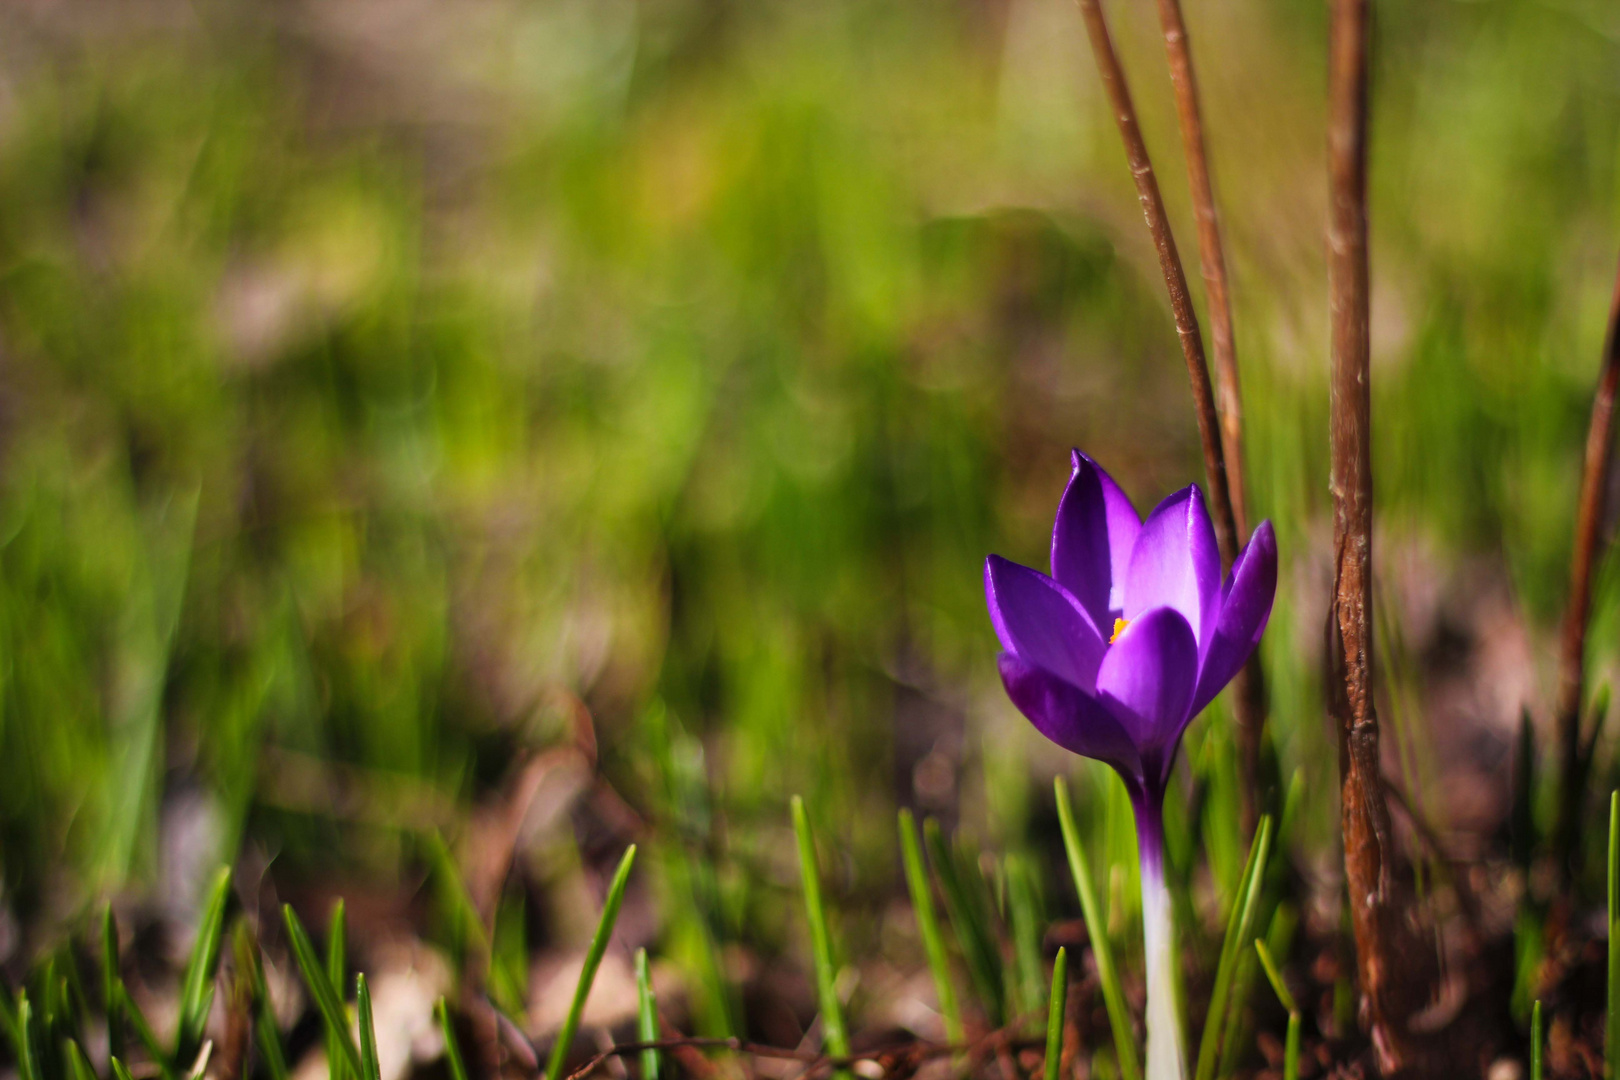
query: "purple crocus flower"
1113, 655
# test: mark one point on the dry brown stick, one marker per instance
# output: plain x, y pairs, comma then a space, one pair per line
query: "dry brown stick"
1175, 278
1211, 252
1248, 692
1383, 962
1588, 522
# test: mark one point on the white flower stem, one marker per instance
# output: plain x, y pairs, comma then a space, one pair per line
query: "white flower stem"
1165, 1059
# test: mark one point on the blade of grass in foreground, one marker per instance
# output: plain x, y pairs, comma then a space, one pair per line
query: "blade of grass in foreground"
370, 1067
1291, 1047
970, 923
266, 1035
27, 1052
646, 1016
832, 1014
197, 992
321, 989
1119, 1020
112, 986
337, 963
452, 1049
1056, 1004
1024, 915
593, 959
120, 1071
74, 1064
922, 903
1239, 928
1535, 1041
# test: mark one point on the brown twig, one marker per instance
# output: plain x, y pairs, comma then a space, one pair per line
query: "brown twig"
1384, 955
913, 1052
1572, 654
1211, 252
1248, 691
1175, 278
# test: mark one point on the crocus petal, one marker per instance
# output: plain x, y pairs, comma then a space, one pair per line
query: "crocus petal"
1249, 592
1175, 563
1067, 715
1039, 621
1092, 540
1147, 679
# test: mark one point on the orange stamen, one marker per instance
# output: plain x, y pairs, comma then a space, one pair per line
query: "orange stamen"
1119, 628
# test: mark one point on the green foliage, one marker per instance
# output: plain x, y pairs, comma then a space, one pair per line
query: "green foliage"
322, 992
1284, 995
452, 1046
370, 1068
1119, 1020
834, 1034
1056, 1001
922, 906
1537, 1042
593, 959
197, 992
968, 904
1230, 986
647, 1018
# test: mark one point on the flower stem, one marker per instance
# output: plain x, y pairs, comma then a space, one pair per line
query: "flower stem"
1165, 1057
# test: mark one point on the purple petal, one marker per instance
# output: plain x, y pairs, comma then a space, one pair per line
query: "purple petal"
1175, 563
1092, 540
1067, 715
1244, 611
1040, 622
1147, 678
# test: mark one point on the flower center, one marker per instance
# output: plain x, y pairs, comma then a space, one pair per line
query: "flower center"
1119, 628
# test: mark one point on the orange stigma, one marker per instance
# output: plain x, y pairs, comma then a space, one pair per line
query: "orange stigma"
1119, 628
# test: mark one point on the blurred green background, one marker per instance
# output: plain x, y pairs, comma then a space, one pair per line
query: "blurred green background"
381, 382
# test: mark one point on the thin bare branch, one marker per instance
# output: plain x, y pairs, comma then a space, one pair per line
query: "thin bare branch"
1175, 278
1387, 961
1211, 253
1248, 691
1588, 522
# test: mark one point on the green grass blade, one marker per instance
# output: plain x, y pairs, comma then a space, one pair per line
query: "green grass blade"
922, 903
1284, 995
593, 959
120, 1071
266, 1035
1239, 928
321, 989
646, 1017
1535, 1041
1057, 1002
1119, 1019
1024, 911
452, 1049
969, 922
112, 984
370, 1068
832, 1014
337, 964
74, 1065
144, 1033
1274, 976
1611, 1046
197, 992
27, 1049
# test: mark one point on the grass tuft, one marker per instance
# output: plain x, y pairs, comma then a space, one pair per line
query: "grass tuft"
1119, 1019
593, 960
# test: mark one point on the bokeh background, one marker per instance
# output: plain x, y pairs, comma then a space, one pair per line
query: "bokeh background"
592, 415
